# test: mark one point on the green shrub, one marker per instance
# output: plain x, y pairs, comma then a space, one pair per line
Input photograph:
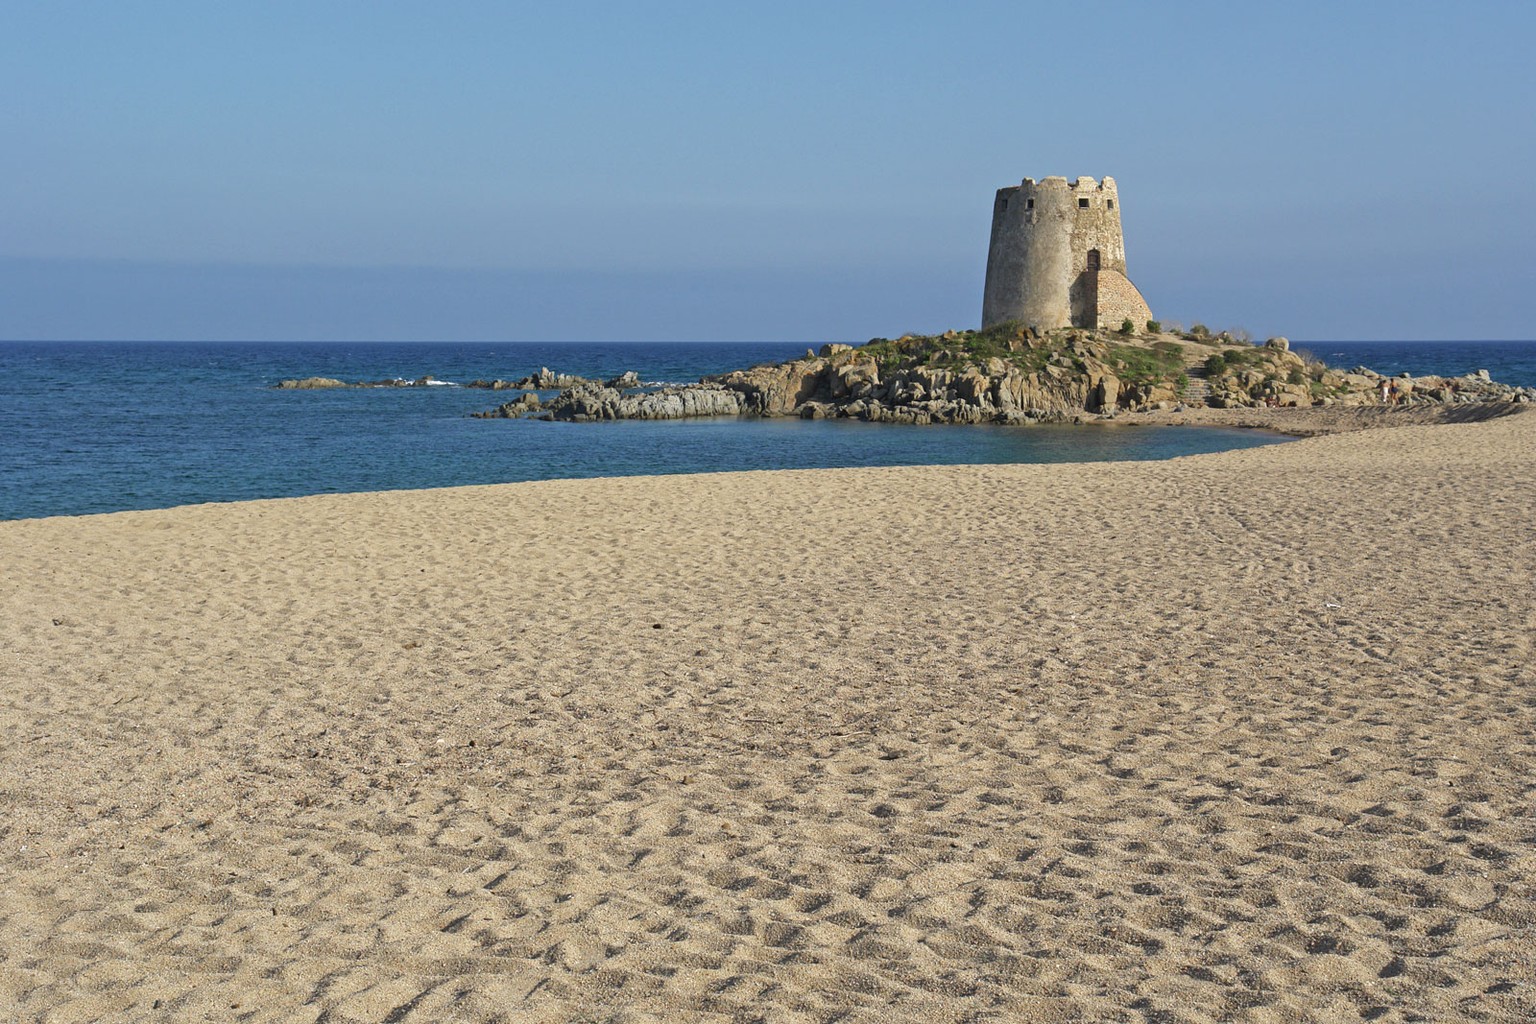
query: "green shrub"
1137, 365
1127, 327
1200, 331
1237, 358
1009, 341
1216, 365
1153, 327
1295, 376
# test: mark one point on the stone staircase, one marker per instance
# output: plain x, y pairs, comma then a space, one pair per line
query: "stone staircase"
1199, 388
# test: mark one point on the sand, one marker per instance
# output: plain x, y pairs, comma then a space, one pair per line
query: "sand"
1315, 421
1247, 736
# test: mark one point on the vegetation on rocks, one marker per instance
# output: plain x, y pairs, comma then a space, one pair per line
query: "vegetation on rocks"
1235, 359
1010, 342
1008, 373
1149, 364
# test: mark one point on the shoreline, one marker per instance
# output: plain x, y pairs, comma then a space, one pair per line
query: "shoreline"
1321, 421
1292, 423
1244, 736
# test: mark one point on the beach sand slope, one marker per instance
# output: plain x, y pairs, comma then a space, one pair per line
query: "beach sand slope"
1247, 736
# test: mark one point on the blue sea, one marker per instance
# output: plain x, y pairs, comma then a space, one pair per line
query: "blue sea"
107, 426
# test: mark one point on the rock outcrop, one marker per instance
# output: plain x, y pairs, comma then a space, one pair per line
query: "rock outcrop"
318, 383
1006, 374
528, 403
547, 380
598, 402
895, 382
1273, 375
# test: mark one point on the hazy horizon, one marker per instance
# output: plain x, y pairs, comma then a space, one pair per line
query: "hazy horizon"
689, 172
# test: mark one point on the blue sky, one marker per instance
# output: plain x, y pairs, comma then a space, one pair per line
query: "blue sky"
709, 171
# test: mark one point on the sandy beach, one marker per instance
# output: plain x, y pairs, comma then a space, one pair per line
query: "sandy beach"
1236, 737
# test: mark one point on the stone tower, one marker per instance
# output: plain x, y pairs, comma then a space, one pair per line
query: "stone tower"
1057, 257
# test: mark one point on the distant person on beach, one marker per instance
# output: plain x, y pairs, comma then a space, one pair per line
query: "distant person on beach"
1385, 392
1394, 392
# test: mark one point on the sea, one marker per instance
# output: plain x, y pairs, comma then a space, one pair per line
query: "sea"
88, 427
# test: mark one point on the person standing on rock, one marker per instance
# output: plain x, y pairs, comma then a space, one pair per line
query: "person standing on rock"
1385, 392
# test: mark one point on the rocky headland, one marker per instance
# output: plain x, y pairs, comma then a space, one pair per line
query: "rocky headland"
1012, 374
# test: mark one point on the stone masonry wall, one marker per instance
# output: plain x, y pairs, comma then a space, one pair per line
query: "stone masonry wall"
1029, 264
1119, 300
1038, 264
1097, 225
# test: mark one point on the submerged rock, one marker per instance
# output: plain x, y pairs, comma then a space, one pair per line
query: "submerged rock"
316, 383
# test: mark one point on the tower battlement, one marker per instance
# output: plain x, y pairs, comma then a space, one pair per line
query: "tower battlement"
1057, 256
1082, 182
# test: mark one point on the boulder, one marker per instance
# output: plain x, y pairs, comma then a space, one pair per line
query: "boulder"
934, 381
547, 380
528, 403
775, 390
590, 401
1103, 393
855, 379
974, 389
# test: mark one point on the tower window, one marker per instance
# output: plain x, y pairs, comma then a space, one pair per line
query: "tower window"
1093, 259
1003, 204
1082, 204
1111, 203
1029, 204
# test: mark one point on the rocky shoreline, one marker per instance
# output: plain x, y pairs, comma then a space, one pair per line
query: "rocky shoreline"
1015, 375
545, 380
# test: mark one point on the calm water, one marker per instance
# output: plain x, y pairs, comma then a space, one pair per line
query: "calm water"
99, 426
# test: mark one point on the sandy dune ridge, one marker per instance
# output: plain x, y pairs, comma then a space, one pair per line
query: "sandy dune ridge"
1247, 736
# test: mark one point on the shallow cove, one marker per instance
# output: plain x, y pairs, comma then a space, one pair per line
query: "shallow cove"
341, 448
112, 427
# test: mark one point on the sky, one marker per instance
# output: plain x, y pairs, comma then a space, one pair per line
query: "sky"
714, 171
